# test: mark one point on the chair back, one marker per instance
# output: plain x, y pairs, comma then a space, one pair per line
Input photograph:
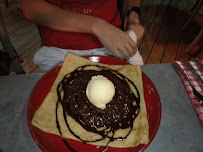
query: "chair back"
8, 47
123, 8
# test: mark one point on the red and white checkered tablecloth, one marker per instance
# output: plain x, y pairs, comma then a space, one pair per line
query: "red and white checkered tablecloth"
196, 84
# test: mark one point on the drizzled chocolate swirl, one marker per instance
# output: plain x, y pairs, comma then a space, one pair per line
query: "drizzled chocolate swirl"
119, 113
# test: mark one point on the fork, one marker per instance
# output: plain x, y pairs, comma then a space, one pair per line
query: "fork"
190, 67
198, 63
197, 95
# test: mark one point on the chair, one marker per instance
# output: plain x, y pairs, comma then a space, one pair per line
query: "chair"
199, 36
8, 47
6, 3
195, 9
197, 39
123, 8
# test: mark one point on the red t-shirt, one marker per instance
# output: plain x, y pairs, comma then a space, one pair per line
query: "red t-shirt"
106, 9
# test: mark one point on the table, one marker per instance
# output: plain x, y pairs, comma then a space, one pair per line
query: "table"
180, 128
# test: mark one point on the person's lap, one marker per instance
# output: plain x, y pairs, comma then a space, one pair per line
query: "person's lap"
48, 57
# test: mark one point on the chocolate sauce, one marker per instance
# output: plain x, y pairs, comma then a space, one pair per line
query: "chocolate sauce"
119, 113
68, 146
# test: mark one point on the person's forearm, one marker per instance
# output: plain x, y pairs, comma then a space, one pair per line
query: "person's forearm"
46, 14
132, 21
133, 18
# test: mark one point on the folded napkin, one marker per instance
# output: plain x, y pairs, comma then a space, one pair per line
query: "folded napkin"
196, 84
136, 58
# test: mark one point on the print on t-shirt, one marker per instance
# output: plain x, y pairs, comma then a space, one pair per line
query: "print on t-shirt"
79, 6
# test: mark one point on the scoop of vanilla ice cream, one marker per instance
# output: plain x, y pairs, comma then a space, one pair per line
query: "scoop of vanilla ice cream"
100, 91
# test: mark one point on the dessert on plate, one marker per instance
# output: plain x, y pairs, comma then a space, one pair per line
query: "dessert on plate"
96, 103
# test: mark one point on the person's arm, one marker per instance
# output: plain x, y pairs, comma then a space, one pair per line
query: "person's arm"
132, 22
51, 16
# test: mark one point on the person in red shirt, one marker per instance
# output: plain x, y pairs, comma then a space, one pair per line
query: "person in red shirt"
84, 25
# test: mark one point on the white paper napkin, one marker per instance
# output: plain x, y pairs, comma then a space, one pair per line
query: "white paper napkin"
137, 58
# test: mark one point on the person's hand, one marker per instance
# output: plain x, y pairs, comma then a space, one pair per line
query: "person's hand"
116, 40
138, 29
133, 24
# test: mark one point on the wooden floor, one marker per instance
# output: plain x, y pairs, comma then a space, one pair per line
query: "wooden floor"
163, 42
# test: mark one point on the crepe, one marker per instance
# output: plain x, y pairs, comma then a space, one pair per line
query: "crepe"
45, 117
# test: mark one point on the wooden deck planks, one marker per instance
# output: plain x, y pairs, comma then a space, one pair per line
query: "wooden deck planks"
161, 41
172, 45
36, 70
26, 28
28, 64
26, 41
147, 18
161, 48
152, 33
23, 35
31, 51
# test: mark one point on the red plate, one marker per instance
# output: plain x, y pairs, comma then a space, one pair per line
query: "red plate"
52, 143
